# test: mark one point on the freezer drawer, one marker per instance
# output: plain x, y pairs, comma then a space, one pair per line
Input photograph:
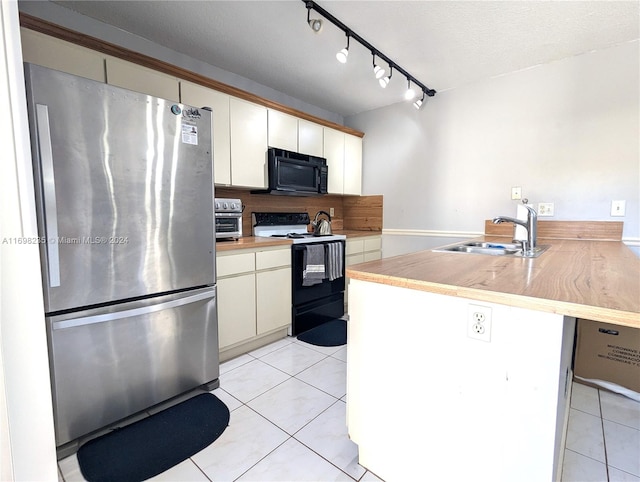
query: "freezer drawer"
109, 364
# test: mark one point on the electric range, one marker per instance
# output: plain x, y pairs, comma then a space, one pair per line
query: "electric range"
323, 300
291, 226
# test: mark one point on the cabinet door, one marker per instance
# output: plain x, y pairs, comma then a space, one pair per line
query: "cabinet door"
248, 144
283, 130
334, 153
352, 164
236, 309
57, 54
273, 299
310, 138
199, 96
141, 79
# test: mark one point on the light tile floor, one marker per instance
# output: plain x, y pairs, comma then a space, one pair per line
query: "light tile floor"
287, 403
603, 438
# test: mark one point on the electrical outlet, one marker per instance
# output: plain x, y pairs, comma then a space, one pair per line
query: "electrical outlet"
479, 322
618, 208
545, 209
516, 193
331, 212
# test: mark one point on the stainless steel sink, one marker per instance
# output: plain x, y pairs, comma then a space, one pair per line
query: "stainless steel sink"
493, 249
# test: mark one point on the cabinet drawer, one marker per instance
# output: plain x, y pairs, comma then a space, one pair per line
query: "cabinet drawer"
372, 256
354, 246
373, 244
354, 259
273, 259
235, 264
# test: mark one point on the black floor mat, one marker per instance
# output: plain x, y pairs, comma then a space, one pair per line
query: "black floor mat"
331, 333
157, 443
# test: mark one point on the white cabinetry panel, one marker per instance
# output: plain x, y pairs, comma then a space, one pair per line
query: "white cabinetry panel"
310, 138
334, 153
57, 54
141, 79
283, 130
248, 144
352, 164
236, 320
199, 96
273, 299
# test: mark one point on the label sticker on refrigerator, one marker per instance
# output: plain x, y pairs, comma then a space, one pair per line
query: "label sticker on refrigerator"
189, 134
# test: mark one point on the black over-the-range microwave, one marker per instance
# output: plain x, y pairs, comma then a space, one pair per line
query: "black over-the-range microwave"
295, 174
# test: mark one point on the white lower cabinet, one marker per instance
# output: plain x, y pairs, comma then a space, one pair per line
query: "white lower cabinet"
273, 299
254, 297
236, 309
360, 250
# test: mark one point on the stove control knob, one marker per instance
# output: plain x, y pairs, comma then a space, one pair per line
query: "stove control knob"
234, 206
217, 206
225, 206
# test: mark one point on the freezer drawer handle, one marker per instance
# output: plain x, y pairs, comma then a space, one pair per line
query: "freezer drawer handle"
49, 194
90, 320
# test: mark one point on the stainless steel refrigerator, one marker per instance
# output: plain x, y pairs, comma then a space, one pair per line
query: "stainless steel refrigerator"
124, 191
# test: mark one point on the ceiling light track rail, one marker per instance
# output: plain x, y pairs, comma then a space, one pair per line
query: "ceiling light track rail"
374, 51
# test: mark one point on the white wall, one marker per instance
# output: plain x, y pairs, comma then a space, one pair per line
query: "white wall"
567, 132
27, 443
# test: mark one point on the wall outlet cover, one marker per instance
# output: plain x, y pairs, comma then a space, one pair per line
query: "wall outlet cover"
545, 209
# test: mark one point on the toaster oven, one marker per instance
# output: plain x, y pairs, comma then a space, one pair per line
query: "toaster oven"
228, 213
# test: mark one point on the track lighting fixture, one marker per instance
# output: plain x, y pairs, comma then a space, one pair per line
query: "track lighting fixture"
344, 53
314, 23
316, 26
384, 81
377, 70
410, 93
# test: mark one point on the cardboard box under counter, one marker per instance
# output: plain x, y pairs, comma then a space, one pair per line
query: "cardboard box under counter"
610, 354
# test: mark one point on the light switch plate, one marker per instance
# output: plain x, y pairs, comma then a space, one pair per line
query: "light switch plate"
618, 208
516, 192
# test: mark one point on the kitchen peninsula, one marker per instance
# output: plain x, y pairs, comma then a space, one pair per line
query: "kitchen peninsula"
425, 395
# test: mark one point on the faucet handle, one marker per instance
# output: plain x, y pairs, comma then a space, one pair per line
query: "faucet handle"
525, 201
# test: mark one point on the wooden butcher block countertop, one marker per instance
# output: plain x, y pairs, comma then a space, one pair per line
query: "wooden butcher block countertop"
593, 279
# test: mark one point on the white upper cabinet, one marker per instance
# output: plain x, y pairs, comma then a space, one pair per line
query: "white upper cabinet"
199, 96
293, 134
352, 164
334, 153
141, 79
57, 54
310, 138
283, 130
248, 144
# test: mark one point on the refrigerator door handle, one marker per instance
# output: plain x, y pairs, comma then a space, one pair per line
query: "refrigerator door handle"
92, 319
49, 194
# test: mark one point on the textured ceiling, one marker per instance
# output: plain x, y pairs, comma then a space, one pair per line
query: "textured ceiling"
444, 44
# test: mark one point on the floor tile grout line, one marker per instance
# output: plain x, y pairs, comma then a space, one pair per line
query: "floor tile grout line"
604, 439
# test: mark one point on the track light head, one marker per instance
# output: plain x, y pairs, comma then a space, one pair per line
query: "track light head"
384, 81
314, 23
410, 93
418, 103
377, 70
344, 53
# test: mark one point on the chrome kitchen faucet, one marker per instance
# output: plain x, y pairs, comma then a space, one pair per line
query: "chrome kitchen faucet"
531, 225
